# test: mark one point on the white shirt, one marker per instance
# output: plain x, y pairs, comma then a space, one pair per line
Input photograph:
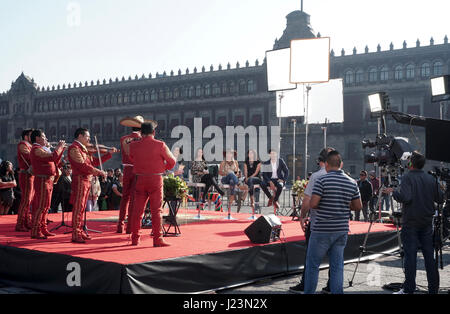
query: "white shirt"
274, 170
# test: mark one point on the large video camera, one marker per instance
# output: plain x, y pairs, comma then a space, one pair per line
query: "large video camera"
389, 153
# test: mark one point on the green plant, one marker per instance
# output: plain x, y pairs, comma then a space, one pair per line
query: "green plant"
175, 187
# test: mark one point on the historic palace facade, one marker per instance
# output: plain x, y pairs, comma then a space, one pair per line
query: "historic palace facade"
233, 95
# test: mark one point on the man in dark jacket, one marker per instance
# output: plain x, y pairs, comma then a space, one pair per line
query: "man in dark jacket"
275, 174
418, 193
365, 188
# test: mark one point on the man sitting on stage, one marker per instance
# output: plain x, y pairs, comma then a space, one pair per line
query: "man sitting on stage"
151, 158
83, 163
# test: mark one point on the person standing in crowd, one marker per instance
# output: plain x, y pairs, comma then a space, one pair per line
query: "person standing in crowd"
7, 185
110, 179
200, 174
229, 169
385, 200
63, 188
26, 179
83, 165
334, 195
44, 163
117, 195
365, 188
149, 181
375, 187
275, 175
418, 192
306, 210
252, 173
94, 194
127, 187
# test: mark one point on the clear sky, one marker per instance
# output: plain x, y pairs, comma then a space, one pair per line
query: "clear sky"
62, 41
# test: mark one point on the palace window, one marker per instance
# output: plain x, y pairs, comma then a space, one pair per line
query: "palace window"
398, 73
410, 71
384, 73
359, 78
176, 93
251, 86
224, 88
216, 89
207, 90
438, 68
119, 99
191, 92
232, 87
348, 77
242, 87
373, 75
146, 96
153, 95
198, 91
425, 70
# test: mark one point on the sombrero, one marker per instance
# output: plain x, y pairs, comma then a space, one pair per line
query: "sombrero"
136, 122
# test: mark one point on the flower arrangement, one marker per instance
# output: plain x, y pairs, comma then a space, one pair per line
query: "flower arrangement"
175, 187
299, 187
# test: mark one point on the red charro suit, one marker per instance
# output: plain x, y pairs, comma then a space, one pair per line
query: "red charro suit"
151, 158
83, 168
26, 180
126, 203
44, 164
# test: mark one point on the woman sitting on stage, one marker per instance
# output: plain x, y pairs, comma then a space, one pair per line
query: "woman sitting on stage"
200, 174
229, 169
252, 172
7, 184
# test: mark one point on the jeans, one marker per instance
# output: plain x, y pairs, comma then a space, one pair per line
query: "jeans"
251, 182
365, 210
412, 238
385, 201
321, 244
231, 180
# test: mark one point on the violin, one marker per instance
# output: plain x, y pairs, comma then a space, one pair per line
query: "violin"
92, 149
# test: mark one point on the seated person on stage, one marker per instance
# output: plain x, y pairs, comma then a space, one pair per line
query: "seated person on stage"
228, 170
252, 173
243, 190
275, 173
178, 170
200, 174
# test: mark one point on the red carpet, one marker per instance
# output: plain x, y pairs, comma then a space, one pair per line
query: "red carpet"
200, 237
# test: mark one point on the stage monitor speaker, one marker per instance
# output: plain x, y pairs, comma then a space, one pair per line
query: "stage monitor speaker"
264, 229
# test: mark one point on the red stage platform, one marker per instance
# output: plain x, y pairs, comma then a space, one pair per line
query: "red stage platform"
208, 255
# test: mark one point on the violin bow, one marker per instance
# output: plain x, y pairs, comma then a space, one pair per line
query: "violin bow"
98, 152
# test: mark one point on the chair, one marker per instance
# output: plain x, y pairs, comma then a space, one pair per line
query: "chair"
198, 188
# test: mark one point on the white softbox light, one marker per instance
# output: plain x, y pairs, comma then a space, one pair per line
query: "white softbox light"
326, 101
290, 104
278, 70
310, 60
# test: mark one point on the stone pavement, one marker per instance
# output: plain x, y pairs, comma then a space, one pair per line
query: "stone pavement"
369, 279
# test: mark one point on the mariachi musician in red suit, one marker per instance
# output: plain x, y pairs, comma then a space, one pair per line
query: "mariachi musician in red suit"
126, 203
151, 159
44, 163
83, 160
26, 179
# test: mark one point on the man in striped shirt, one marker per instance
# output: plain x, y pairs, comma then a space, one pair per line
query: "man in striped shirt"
334, 195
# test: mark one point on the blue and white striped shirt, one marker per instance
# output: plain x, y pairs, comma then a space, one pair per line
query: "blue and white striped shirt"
336, 190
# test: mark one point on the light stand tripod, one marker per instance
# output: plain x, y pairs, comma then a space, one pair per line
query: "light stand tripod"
363, 248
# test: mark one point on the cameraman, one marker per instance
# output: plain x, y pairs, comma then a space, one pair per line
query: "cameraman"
418, 193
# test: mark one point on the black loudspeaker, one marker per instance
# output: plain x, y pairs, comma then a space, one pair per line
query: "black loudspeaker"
264, 230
